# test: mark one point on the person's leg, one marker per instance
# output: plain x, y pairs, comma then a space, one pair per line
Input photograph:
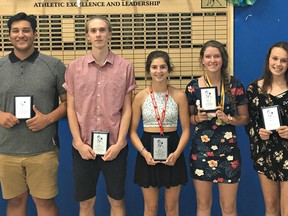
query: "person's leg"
203, 196
271, 193
172, 200
13, 184
42, 172
284, 198
45, 207
117, 207
228, 198
87, 207
150, 196
85, 175
114, 173
17, 205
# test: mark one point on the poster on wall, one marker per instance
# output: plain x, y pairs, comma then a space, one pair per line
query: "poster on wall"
213, 3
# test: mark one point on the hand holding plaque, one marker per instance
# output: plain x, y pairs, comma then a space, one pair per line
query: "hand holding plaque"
160, 147
100, 142
208, 100
271, 117
23, 106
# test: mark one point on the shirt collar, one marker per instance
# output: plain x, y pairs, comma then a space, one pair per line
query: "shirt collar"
109, 59
13, 58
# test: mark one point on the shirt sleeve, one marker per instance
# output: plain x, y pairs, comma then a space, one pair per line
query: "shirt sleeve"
131, 81
239, 90
60, 71
191, 92
69, 81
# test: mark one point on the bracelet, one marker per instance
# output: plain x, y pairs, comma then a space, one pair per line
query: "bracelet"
141, 150
230, 119
195, 119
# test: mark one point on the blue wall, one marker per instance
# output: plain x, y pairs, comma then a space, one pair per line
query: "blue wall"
256, 28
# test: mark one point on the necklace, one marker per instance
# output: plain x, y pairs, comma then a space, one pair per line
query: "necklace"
159, 119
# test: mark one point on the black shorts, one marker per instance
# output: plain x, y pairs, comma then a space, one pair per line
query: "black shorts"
86, 174
160, 174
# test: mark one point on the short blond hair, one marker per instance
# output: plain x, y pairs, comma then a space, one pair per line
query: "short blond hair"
99, 17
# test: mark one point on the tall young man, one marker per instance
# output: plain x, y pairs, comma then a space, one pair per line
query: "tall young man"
99, 87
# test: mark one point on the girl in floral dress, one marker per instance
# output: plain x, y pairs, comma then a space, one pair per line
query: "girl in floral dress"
215, 156
269, 149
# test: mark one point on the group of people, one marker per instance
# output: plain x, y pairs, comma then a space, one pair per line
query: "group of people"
96, 93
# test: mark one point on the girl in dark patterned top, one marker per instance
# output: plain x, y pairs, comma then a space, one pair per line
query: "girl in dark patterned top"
269, 148
215, 156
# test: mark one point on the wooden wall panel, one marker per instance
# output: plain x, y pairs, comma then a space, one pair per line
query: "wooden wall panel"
139, 27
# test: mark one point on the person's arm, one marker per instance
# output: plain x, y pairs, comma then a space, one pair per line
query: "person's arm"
135, 120
134, 137
253, 124
242, 114
84, 150
114, 149
241, 119
199, 117
183, 112
253, 127
41, 121
8, 120
192, 116
283, 131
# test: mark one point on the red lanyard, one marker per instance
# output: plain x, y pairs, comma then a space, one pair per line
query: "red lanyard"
159, 120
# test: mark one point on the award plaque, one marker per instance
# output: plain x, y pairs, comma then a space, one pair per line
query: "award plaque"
160, 147
100, 142
208, 99
23, 106
271, 117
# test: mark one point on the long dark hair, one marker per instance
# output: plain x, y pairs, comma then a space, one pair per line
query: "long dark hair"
224, 69
267, 75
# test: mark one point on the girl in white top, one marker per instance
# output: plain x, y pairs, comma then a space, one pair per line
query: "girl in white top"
160, 105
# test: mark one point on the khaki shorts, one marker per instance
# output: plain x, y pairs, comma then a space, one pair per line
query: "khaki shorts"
37, 173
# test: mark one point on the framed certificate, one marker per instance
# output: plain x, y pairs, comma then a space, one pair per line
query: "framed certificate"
160, 147
23, 106
271, 117
208, 99
100, 142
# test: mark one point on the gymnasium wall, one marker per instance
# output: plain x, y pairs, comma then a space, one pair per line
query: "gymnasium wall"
247, 32
138, 28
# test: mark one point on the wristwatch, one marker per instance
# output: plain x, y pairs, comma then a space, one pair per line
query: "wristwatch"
230, 119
